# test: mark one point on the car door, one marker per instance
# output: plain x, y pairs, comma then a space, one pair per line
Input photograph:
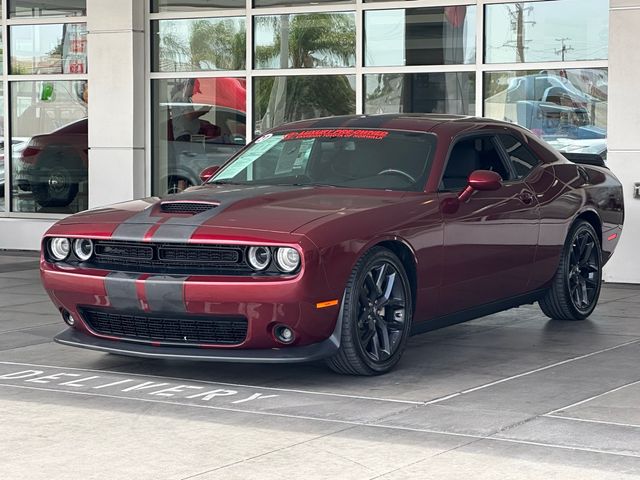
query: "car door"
490, 240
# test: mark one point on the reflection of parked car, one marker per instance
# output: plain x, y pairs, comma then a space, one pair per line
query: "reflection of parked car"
550, 104
221, 135
53, 165
338, 238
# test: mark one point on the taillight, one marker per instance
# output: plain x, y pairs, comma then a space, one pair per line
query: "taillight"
30, 152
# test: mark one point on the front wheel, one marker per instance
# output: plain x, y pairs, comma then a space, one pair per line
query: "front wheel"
576, 286
376, 316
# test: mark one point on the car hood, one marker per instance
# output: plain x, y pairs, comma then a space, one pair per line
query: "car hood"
281, 209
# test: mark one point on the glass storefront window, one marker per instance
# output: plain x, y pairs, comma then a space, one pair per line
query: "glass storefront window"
567, 108
199, 44
420, 36
309, 40
294, 3
559, 30
49, 146
278, 100
55, 48
452, 93
194, 5
47, 8
197, 123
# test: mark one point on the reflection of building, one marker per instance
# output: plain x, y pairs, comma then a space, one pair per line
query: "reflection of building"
544, 64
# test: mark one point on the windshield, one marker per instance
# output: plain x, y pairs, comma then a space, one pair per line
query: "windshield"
351, 158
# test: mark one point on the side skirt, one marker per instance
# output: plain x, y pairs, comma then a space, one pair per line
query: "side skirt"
477, 312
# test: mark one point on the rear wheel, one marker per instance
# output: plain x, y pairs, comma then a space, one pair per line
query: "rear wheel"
576, 286
59, 184
376, 316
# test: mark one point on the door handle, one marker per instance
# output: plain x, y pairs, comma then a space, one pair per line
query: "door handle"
526, 197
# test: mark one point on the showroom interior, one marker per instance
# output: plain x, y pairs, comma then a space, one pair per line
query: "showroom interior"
94, 93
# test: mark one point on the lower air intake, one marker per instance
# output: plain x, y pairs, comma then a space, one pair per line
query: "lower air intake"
178, 329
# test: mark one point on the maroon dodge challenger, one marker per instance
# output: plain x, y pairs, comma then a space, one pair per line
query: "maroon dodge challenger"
336, 239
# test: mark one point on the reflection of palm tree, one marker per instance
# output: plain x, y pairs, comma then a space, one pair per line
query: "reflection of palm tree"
312, 40
305, 41
218, 44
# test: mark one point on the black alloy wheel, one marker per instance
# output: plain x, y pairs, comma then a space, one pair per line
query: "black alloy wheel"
377, 314
382, 311
58, 188
584, 270
576, 287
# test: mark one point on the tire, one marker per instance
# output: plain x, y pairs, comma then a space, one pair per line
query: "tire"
59, 189
376, 316
575, 290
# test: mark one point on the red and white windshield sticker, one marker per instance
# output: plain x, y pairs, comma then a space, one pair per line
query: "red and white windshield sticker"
338, 133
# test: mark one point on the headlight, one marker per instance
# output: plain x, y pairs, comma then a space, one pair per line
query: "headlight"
83, 248
259, 257
287, 259
59, 248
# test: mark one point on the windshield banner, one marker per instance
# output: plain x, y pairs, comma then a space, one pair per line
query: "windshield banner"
339, 133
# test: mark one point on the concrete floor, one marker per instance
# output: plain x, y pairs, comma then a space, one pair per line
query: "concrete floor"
511, 395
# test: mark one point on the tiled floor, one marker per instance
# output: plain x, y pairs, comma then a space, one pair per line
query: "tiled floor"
508, 396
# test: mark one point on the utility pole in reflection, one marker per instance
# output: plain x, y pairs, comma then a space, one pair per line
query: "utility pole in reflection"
564, 49
517, 25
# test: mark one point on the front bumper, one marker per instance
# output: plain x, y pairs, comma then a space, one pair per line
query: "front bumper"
263, 302
307, 353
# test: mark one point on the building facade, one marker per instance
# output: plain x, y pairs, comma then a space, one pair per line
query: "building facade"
105, 101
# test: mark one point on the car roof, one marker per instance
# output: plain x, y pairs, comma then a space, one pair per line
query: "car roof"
421, 122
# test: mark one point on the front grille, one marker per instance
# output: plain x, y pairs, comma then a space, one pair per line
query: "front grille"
190, 208
114, 251
199, 254
176, 329
170, 258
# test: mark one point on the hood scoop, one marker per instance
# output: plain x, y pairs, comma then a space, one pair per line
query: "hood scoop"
186, 208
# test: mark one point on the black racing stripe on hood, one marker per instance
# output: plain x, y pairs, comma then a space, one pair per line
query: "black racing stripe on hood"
135, 227
181, 229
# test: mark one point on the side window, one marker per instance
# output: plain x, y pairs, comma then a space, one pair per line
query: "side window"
468, 155
522, 159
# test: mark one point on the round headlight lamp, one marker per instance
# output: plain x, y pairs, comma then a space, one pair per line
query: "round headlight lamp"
59, 248
287, 259
83, 248
259, 257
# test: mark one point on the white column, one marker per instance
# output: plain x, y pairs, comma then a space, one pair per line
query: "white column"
624, 132
116, 59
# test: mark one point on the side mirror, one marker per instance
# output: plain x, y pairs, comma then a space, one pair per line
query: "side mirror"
208, 172
482, 180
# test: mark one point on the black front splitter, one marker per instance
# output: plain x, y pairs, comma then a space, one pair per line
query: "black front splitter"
307, 353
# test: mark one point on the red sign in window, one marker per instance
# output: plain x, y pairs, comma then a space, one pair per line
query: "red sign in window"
337, 133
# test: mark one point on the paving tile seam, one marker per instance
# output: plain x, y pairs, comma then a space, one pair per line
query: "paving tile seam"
30, 328
275, 450
588, 420
531, 372
428, 457
604, 302
630, 384
226, 384
26, 345
334, 421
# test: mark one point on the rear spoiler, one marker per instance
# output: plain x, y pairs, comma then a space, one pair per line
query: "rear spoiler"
585, 158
